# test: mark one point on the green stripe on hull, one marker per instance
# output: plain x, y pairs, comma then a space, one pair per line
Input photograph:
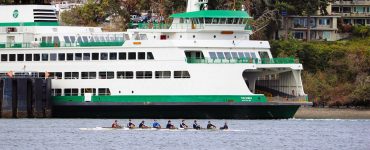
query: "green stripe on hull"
164, 98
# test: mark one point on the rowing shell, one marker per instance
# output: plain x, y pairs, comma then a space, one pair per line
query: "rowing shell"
144, 129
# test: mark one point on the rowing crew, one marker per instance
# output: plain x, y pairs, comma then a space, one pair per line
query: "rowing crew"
169, 125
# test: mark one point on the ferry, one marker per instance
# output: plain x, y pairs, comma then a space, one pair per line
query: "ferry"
203, 65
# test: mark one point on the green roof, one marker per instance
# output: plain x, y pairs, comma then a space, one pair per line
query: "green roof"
212, 14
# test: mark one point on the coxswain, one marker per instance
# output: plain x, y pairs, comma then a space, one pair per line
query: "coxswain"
115, 124
142, 125
156, 124
130, 124
170, 125
210, 125
183, 125
195, 125
225, 127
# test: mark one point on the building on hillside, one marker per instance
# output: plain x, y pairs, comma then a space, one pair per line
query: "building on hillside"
353, 12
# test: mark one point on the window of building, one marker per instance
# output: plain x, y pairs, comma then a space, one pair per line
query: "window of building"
88, 75
20, 57
86, 56
149, 55
112, 56
11, 57
36, 57
61, 57
88, 90
103, 91
4, 57
122, 56
71, 75
44, 57
131, 56
103, 56
125, 74
70, 56
144, 74
181, 74
298, 35
78, 56
141, 55
28, 57
56, 92
94, 56
53, 57
162, 74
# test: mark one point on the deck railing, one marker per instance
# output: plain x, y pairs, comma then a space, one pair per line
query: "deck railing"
60, 44
172, 26
288, 60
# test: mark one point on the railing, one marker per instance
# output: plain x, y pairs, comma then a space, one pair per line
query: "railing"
288, 60
60, 44
175, 26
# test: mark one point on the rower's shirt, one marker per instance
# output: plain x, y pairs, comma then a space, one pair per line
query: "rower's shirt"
156, 125
169, 125
130, 124
209, 126
195, 126
183, 125
141, 125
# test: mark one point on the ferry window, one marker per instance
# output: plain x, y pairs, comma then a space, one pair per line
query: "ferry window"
162, 74
103, 91
86, 56
229, 20
143, 37
222, 20
88, 75
70, 56
253, 55
43, 39
247, 55
215, 21
122, 56
53, 57
49, 38
181, 74
73, 39
126, 37
28, 57
149, 55
79, 39
235, 21
141, 55
4, 57
88, 90
125, 74
241, 55
110, 75
143, 75
36, 57
56, 92
102, 39
227, 55
208, 20
96, 38
220, 55
67, 92
61, 56
112, 56
71, 75
103, 56
131, 56
102, 75
74, 92
235, 55
56, 39
66, 39
45, 57
11, 57
91, 39
78, 56
212, 55
20, 57
85, 39
94, 56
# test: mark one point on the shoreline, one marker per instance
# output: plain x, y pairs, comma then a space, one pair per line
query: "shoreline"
332, 113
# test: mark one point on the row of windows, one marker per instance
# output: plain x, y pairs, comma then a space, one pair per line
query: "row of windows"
75, 91
108, 75
78, 56
232, 55
80, 39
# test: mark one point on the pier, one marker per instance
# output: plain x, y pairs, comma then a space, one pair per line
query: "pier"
25, 98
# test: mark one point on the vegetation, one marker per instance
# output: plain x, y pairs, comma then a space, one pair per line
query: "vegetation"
335, 73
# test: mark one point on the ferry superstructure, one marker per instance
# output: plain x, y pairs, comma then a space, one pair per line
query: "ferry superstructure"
203, 65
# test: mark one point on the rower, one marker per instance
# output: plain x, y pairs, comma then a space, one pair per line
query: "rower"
130, 124
183, 125
225, 127
170, 125
115, 124
195, 125
156, 124
142, 125
210, 125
